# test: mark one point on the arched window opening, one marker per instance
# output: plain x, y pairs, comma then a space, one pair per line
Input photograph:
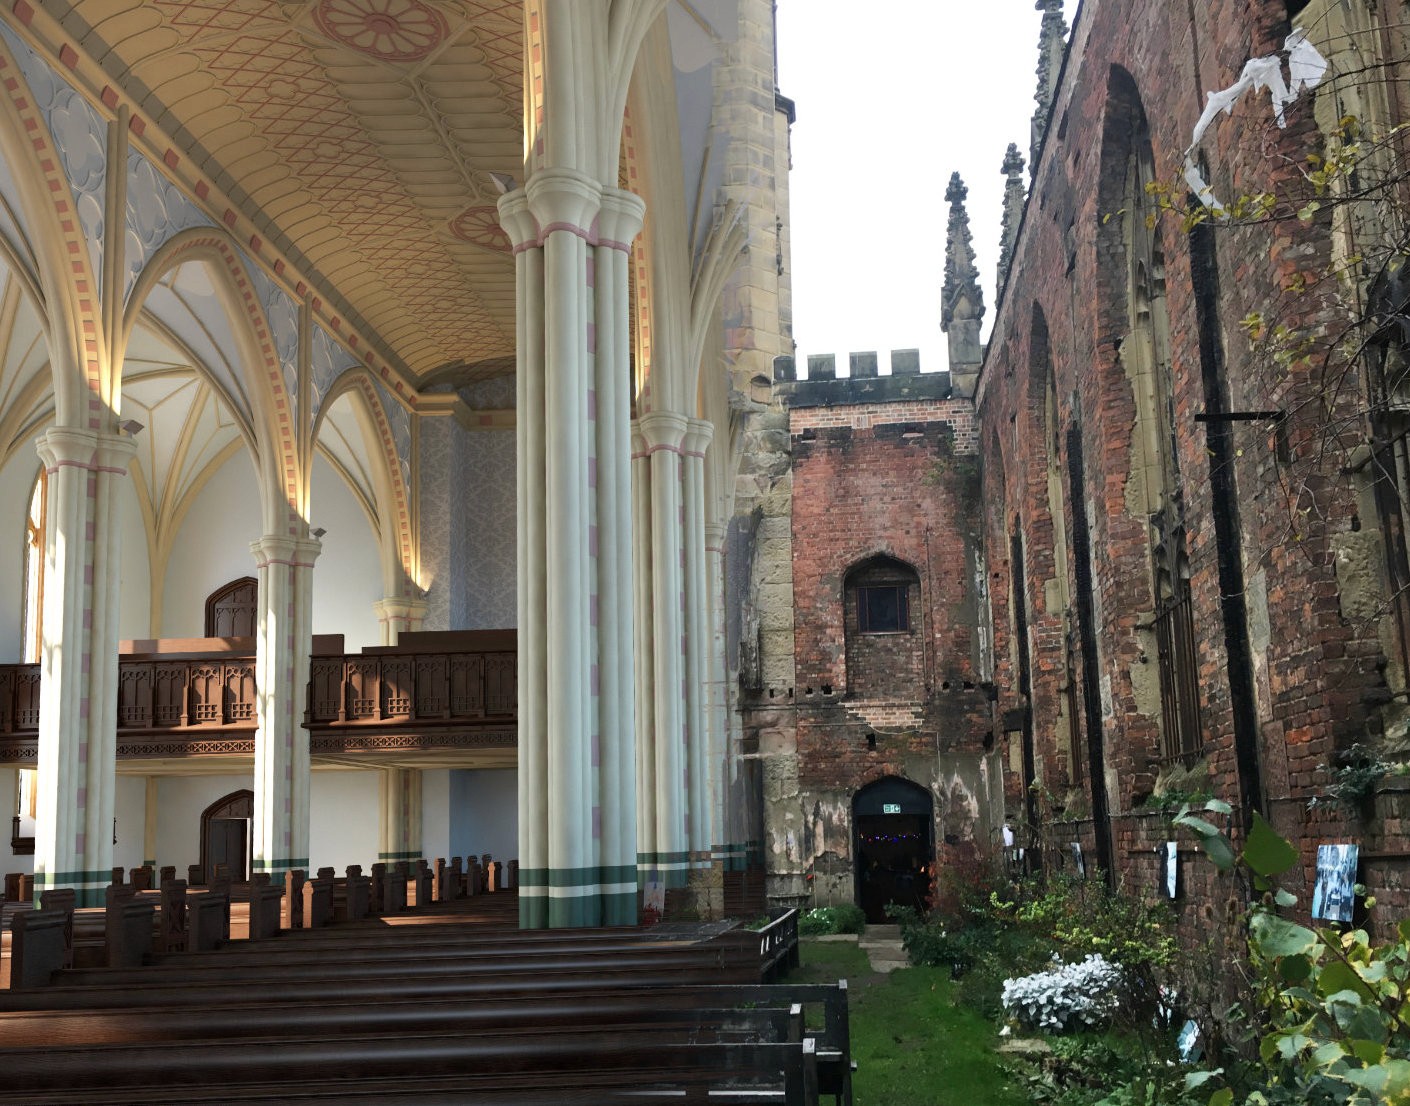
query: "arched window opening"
233, 609
884, 649
1146, 362
34, 532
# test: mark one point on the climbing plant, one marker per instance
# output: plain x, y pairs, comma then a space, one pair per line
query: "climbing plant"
1330, 1009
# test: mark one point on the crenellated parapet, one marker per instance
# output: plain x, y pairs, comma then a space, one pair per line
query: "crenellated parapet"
824, 388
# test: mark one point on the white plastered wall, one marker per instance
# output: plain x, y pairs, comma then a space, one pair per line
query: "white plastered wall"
212, 547
130, 810
347, 580
11, 862
344, 828
135, 610
435, 814
16, 487
180, 801
484, 812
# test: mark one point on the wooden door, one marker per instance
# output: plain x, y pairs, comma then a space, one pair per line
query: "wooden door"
226, 843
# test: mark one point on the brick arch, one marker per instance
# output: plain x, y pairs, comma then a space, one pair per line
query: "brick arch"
275, 431
394, 513
1041, 513
1125, 134
66, 285
883, 628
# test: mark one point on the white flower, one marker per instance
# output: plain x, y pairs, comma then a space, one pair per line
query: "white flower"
1085, 993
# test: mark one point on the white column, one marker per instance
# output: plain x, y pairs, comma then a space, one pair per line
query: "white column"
73, 844
284, 640
697, 644
398, 614
717, 701
571, 500
664, 431
531, 610
619, 222
645, 694
399, 798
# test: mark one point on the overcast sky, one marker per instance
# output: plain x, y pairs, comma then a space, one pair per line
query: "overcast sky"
893, 96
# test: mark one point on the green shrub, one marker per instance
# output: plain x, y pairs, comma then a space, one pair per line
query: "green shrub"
1331, 1009
821, 920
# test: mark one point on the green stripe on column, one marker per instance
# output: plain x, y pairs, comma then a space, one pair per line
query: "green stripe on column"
411, 855
576, 877
533, 908
573, 912
620, 909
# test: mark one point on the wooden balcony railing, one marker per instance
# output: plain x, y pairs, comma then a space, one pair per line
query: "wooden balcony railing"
198, 696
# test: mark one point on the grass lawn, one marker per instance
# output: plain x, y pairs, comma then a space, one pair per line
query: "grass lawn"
913, 1046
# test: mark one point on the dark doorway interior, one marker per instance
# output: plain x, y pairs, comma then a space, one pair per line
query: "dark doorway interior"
225, 835
893, 829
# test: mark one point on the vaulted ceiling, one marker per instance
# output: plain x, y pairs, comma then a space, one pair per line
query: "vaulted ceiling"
358, 135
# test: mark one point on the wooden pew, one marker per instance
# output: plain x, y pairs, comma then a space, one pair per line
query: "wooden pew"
291, 906
172, 924
580, 1068
41, 945
208, 920
266, 907
317, 910
127, 931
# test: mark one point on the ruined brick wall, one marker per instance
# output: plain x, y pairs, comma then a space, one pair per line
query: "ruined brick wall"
1309, 606
883, 468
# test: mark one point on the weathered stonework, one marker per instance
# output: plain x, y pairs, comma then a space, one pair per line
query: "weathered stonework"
882, 467
1295, 656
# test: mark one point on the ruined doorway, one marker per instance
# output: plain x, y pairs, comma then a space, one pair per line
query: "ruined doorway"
893, 841
226, 837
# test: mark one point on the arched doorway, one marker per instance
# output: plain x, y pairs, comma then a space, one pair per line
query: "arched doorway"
225, 835
893, 840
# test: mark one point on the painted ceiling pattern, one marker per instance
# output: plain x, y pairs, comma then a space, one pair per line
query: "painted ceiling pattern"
80, 136
358, 134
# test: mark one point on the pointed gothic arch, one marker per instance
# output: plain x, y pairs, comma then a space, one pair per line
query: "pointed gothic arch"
283, 483
54, 260
225, 835
1131, 272
390, 512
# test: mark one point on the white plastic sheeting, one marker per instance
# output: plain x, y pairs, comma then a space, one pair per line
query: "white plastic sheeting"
1306, 68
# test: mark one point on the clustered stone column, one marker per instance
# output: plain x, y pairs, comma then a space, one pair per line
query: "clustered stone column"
284, 640
397, 615
698, 641
642, 633
726, 842
575, 730
75, 823
619, 222
662, 434
399, 797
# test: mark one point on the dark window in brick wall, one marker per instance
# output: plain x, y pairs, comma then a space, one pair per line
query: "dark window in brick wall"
882, 609
885, 653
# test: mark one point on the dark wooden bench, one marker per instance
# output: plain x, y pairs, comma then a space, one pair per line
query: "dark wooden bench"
432, 1009
559, 1070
